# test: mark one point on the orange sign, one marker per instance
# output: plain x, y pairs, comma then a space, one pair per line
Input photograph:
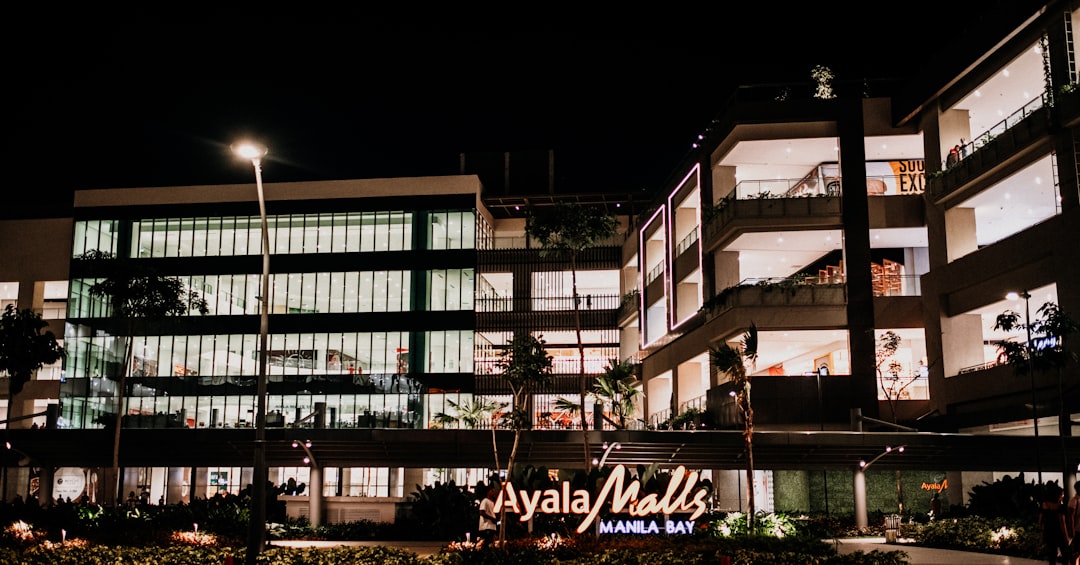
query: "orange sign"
936, 486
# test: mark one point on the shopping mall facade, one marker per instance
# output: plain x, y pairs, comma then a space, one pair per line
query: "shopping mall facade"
828, 217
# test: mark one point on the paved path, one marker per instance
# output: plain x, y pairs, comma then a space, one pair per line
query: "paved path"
931, 556
916, 555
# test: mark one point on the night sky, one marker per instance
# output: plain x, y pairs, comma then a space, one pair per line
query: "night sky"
124, 99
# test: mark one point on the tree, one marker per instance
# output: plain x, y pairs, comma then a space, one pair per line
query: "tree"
25, 347
567, 229
615, 386
472, 414
1051, 326
892, 386
887, 345
525, 365
134, 292
734, 361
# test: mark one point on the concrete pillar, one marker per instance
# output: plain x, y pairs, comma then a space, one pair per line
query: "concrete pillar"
729, 493
725, 270
315, 496
954, 494
45, 486
961, 336
410, 478
861, 519
857, 257
174, 485
960, 232
344, 481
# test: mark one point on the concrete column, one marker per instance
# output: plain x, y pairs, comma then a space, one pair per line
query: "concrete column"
954, 494
861, 519
45, 486
174, 485
960, 232
856, 220
410, 478
728, 491
315, 496
725, 269
961, 336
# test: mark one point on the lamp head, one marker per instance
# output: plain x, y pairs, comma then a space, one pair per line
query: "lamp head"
249, 150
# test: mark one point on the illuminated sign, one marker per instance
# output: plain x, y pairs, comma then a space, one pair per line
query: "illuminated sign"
936, 486
670, 527
681, 496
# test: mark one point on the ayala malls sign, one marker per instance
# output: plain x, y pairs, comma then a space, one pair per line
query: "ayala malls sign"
681, 497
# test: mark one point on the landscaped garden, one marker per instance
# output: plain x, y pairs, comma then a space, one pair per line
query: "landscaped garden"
213, 531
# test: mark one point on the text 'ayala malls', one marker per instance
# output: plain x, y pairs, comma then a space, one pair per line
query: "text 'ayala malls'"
683, 496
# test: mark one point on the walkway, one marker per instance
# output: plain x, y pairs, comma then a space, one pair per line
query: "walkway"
916, 555
931, 556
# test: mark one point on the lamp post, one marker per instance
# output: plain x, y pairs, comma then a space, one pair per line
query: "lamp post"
861, 518
257, 531
1031, 373
315, 495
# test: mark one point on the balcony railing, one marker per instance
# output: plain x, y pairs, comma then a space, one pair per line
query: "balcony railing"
654, 273
997, 129
898, 285
587, 301
686, 242
802, 290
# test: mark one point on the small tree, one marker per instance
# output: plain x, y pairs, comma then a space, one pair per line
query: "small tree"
567, 229
615, 386
892, 382
1050, 322
471, 415
525, 365
134, 292
1052, 326
892, 386
25, 347
734, 361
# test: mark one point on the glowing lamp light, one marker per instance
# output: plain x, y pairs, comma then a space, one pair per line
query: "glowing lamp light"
249, 150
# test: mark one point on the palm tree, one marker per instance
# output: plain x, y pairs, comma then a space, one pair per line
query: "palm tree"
472, 415
733, 361
134, 293
615, 386
525, 365
25, 347
567, 229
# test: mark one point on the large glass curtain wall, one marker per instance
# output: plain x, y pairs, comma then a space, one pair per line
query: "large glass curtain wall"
209, 380
309, 293
346, 232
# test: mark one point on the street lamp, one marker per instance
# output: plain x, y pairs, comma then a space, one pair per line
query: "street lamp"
1031, 373
861, 518
607, 451
257, 533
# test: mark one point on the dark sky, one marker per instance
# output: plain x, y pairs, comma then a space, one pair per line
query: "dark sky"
127, 99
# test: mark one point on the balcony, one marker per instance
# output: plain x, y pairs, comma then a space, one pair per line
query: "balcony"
726, 220
790, 291
1010, 138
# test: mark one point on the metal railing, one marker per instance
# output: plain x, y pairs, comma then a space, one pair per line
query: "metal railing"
970, 147
686, 242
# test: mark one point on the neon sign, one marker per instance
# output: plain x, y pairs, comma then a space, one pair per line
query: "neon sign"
680, 497
936, 486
